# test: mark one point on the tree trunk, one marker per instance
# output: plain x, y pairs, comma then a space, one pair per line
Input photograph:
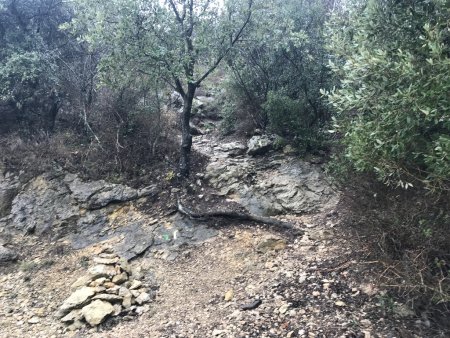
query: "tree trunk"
53, 111
186, 137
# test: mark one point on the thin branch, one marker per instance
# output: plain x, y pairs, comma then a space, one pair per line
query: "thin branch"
175, 11
232, 43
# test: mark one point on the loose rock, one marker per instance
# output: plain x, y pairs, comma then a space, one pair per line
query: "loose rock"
283, 309
119, 279
7, 255
74, 315
252, 305
77, 299
101, 270
135, 284
143, 298
259, 145
97, 311
269, 243
108, 297
229, 295
106, 261
82, 281
33, 320
127, 301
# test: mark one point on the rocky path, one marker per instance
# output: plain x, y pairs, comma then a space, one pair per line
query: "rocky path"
198, 280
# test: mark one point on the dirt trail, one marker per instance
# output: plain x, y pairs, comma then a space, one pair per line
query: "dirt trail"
313, 286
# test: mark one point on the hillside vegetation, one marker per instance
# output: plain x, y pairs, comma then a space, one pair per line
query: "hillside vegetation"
116, 90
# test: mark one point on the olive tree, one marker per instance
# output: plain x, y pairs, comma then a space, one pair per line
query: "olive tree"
180, 42
392, 106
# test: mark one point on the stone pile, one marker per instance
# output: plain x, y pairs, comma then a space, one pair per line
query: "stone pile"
110, 288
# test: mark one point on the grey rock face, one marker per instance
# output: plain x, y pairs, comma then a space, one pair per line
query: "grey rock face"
8, 189
205, 106
232, 148
6, 197
56, 201
259, 145
176, 100
98, 194
7, 255
272, 186
43, 204
89, 212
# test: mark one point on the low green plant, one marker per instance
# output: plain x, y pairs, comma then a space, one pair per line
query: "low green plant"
27, 266
386, 303
47, 263
294, 119
170, 175
84, 262
228, 114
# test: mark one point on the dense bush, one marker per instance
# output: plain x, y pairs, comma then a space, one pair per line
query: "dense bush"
405, 234
392, 121
393, 102
287, 117
30, 90
277, 75
132, 140
50, 97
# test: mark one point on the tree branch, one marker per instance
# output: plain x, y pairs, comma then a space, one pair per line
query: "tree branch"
232, 43
175, 11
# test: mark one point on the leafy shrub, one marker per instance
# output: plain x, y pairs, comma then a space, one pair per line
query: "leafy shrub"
292, 119
393, 106
277, 75
392, 118
407, 233
229, 119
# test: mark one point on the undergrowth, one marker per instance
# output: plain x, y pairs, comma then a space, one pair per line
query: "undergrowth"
134, 161
407, 233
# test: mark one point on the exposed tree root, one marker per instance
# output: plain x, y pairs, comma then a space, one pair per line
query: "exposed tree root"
243, 216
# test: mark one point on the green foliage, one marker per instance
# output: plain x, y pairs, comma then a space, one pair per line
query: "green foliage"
229, 119
278, 74
29, 67
152, 37
170, 176
19, 69
289, 117
178, 42
284, 113
28, 266
392, 105
386, 303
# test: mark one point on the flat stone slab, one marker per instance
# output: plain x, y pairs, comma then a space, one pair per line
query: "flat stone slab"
97, 311
77, 299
